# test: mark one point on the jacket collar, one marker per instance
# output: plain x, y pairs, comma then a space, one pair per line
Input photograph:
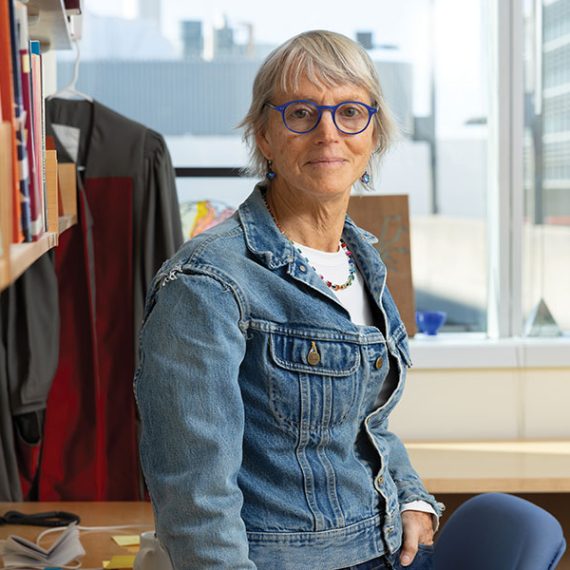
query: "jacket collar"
264, 238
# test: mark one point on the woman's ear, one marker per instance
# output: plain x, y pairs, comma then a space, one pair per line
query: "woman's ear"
263, 144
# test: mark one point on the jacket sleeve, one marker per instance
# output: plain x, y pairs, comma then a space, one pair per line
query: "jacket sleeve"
192, 421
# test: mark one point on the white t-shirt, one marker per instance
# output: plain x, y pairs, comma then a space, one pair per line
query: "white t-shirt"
334, 267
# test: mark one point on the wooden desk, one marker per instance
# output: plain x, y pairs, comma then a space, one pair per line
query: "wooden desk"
98, 546
537, 471
534, 470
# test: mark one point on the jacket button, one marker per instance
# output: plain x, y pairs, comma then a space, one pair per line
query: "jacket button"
313, 358
302, 268
379, 362
379, 479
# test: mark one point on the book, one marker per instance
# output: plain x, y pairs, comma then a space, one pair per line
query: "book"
52, 200
5, 194
2, 196
38, 126
24, 189
7, 102
36, 218
19, 552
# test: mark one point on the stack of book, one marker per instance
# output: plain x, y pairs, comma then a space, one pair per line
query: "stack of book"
28, 199
22, 113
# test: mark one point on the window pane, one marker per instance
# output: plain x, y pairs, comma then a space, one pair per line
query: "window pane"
185, 69
547, 160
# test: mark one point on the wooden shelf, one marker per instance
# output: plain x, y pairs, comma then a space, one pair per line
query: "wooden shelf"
48, 23
66, 222
23, 255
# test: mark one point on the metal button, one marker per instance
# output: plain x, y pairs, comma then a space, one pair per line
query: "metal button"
379, 362
313, 357
302, 268
379, 479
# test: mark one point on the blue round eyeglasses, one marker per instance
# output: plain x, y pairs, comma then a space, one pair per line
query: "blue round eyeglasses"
302, 116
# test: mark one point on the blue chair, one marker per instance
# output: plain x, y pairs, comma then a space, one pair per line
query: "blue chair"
496, 531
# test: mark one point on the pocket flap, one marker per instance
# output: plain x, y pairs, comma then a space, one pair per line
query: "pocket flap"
314, 356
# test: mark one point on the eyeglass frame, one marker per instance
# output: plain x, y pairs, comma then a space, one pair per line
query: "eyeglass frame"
320, 108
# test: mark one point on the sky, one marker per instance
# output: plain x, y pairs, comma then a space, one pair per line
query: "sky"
456, 36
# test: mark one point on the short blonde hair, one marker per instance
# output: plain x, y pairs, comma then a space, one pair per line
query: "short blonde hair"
324, 58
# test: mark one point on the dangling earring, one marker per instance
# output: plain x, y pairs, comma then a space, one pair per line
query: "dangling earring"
270, 175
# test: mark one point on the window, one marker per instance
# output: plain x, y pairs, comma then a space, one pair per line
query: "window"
546, 230
186, 69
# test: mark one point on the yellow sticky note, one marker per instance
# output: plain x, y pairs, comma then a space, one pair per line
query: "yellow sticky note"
121, 562
130, 540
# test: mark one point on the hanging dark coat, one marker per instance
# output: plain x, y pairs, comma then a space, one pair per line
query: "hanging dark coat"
29, 338
129, 223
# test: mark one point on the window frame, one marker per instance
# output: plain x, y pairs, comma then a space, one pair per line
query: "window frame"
503, 345
506, 187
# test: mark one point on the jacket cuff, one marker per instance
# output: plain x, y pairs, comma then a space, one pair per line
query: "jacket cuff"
423, 507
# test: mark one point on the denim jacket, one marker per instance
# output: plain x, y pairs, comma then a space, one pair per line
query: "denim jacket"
264, 409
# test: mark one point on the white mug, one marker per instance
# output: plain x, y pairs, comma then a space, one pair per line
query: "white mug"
151, 555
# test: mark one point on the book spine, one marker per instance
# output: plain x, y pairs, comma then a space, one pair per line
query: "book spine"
36, 222
7, 102
24, 196
38, 125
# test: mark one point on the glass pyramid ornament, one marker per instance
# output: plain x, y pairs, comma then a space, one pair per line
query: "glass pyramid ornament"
541, 323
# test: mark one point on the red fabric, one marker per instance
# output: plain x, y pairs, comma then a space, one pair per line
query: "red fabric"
90, 447
28, 455
112, 208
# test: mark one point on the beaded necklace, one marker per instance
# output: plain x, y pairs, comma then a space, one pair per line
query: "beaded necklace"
329, 284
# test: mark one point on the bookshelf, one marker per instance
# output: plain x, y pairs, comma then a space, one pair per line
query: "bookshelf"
61, 187
48, 23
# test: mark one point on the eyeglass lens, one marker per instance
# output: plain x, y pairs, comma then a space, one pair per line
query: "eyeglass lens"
303, 116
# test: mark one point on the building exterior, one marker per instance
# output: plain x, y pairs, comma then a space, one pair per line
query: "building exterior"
549, 116
192, 38
197, 97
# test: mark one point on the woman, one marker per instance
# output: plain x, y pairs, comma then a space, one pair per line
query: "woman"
272, 354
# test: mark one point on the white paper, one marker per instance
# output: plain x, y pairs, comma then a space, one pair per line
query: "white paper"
19, 552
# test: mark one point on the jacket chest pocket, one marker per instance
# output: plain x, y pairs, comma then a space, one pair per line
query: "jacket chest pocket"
313, 383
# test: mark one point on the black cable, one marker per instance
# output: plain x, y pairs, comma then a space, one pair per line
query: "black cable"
52, 519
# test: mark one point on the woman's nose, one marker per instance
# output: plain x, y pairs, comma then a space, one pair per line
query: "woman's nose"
326, 129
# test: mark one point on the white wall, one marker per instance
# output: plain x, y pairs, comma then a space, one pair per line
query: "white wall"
484, 404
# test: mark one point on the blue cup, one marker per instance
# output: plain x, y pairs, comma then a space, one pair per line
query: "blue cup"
429, 322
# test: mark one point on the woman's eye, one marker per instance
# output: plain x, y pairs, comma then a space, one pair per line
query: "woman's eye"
300, 112
350, 111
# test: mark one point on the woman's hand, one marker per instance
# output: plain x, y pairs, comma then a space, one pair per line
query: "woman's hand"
418, 529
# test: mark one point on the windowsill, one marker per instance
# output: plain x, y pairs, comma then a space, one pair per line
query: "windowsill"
476, 351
